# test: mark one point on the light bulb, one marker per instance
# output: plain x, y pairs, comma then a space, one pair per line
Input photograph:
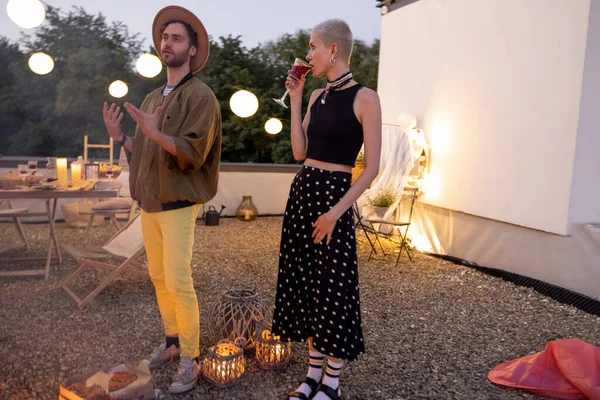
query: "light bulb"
41, 63
27, 14
243, 103
118, 89
148, 65
273, 126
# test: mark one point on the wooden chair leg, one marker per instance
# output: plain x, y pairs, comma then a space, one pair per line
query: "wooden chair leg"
19, 227
115, 222
113, 275
53, 229
21, 233
86, 235
132, 211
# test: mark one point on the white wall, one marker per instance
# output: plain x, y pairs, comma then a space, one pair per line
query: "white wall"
496, 85
585, 189
269, 191
571, 262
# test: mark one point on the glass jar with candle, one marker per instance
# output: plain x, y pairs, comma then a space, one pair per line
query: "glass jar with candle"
76, 169
50, 173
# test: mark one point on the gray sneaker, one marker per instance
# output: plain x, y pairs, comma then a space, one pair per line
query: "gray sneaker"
163, 356
187, 376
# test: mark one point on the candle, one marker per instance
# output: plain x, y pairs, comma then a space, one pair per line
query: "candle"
61, 170
75, 171
278, 352
247, 215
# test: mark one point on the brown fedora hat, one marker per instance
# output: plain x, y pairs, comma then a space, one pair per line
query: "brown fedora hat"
179, 13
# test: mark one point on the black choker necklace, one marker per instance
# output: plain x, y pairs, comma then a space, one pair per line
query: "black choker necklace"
341, 77
338, 83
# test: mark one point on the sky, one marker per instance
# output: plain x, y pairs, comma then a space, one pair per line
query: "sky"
255, 21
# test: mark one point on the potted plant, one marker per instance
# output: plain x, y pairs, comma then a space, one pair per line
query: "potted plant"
381, 201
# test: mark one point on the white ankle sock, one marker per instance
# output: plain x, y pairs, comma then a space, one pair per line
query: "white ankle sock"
315, 370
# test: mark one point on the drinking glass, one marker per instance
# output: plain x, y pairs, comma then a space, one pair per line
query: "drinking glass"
32, 166
51, 174
299, 69
110, 171
23, 171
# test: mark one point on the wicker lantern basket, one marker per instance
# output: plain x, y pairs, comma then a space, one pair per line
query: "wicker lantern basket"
271, 353
235, 315
224, 363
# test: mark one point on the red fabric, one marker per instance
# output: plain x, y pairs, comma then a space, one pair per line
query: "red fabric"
567, 370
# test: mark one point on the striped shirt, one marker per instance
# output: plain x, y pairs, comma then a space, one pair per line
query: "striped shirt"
168, 89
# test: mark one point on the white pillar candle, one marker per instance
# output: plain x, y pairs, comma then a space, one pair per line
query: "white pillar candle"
61, 170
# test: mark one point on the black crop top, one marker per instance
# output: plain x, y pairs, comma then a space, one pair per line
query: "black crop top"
334, 133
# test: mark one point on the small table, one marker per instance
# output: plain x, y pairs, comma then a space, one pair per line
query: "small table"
50, 197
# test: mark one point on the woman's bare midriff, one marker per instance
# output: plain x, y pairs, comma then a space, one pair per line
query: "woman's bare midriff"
327, 166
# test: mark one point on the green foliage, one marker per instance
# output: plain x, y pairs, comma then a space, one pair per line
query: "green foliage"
383, 198
58, 109
49, 115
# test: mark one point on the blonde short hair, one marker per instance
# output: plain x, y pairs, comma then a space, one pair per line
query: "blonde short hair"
336, 31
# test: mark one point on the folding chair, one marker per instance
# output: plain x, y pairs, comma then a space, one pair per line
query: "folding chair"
409, 193
15, 213
124, 205
358, 219
128, 243
87, 145
110, 209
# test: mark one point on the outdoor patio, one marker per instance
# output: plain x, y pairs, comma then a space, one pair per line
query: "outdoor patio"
433, 329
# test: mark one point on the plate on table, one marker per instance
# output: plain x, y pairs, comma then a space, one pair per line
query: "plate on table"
44, 186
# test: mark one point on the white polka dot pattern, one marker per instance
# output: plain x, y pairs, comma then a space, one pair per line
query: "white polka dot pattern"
317, 285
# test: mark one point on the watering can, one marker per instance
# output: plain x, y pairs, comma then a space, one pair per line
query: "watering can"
211, 217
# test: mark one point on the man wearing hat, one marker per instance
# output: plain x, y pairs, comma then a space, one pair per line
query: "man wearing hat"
174, 167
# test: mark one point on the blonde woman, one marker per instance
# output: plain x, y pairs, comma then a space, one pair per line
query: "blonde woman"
317, 288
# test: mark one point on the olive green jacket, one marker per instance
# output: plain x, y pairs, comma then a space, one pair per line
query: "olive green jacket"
192, 116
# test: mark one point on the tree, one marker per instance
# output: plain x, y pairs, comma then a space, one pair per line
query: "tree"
49, 115
276, 58
12, 116
66, 104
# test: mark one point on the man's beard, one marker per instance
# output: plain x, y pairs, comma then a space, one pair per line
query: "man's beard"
177, 59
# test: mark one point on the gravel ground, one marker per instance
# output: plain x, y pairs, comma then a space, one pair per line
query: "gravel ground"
433, 329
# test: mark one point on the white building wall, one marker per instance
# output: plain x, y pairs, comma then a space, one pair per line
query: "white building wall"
585, 189
496, 85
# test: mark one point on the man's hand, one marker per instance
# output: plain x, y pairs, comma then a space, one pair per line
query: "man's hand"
148, 123
112, 120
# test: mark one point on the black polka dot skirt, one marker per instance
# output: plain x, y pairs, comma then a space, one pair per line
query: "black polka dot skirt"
317, 285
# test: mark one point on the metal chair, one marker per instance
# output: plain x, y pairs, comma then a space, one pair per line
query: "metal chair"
358, 219
411, 194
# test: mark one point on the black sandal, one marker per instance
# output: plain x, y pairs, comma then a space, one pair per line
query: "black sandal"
312, 384
333, 394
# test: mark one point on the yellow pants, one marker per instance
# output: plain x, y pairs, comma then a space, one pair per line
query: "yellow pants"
169, 239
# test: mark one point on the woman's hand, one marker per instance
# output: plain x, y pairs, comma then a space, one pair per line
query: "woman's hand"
295, 87
324, 226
